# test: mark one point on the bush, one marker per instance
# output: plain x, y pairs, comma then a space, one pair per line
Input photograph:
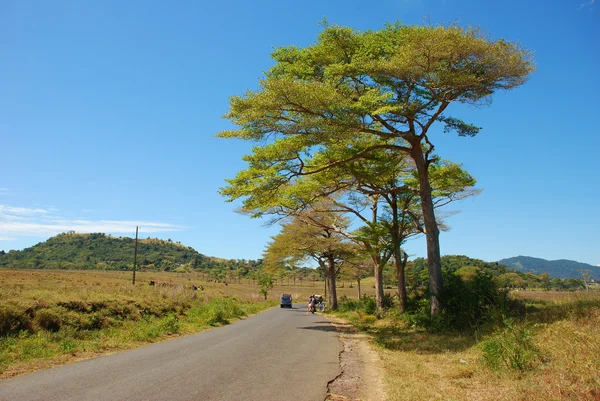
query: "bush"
67, 346
13, 320
470, 304
48, 319
388, 300
170, 324
215, 316
512, 348
366, 305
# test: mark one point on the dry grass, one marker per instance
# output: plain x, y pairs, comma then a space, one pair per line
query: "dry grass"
53, 317
566, 330
100, 312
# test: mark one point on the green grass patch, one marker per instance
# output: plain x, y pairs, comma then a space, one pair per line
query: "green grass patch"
511, 348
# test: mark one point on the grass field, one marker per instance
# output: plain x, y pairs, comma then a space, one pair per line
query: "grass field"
49, 317
552, 354
53, 317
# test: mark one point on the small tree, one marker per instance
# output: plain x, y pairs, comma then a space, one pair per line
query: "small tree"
586, 275
266, 284
357, 269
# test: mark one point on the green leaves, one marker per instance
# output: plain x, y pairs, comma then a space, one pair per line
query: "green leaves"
461, 127
349, 117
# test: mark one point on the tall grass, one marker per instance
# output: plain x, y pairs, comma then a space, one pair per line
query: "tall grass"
543, 347
511, 348
52, 317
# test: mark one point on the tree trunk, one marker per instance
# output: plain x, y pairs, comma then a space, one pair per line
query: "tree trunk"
432, 233
376, 256
333, 304
400, 271
358, 285
378, 283
400, 261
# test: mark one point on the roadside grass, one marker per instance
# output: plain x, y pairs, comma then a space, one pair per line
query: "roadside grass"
551, 352
50, 317
53, 317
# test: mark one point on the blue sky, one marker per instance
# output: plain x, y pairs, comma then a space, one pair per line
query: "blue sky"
108, 112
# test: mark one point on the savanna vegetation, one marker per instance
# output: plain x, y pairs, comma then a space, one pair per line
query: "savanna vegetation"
345, 161
346, 125
104, 252
99, 251
526, 345
51, 317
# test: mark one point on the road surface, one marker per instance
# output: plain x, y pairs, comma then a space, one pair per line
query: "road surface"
281, 354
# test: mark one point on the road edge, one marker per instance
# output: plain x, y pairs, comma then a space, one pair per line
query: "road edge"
361, 374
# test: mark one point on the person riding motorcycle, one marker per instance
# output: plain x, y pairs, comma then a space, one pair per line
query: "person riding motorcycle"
311, 304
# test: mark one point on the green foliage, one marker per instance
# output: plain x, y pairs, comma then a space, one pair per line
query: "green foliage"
353, 94
104, 252
504, 276
44, 332
170, 324
365, 305
48, 319
266, 283
563, 269
13, 320
472, 299
469, 304
512, 348
67, 346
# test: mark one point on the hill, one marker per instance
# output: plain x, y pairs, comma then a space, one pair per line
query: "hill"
101, 251
556, 268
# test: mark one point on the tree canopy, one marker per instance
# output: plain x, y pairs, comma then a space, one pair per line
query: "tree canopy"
354, 93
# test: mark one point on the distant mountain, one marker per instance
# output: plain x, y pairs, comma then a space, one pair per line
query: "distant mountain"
555, 268
101, 251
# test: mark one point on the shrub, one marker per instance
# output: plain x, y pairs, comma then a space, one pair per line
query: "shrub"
388, 300
215, 316
170, 324
48, 319
470, 304
13, 320
77, 306
369, 319
346, 304
366, 305
68, 346
512, 348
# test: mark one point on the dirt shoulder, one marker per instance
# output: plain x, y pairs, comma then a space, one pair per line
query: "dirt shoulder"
361, 374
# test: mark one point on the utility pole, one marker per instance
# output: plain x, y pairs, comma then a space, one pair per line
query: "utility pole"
135, 255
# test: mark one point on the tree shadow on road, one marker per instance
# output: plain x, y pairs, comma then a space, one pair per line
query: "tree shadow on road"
319, 328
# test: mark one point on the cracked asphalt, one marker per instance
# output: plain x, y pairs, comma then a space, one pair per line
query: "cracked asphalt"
281, 354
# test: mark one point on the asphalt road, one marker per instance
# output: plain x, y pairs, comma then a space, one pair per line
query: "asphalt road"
281, 354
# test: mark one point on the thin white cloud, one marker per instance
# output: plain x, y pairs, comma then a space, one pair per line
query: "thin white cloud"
21, 211
3, 189
26, 222
589, 4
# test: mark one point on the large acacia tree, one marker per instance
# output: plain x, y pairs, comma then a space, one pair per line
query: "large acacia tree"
386, 186
392, 84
